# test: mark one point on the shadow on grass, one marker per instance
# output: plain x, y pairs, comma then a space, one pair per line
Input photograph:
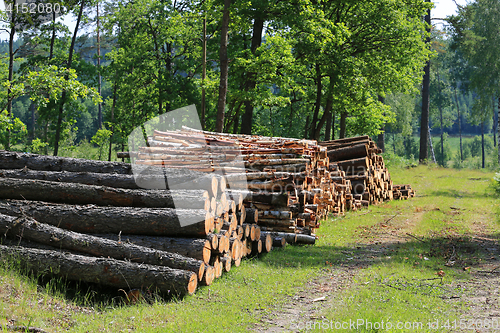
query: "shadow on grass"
432, 253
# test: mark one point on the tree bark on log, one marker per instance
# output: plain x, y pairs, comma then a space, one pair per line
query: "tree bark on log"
113, 220
348, 153
110, 272
273, 198
14, 160
41, 190
32, 230
189, 247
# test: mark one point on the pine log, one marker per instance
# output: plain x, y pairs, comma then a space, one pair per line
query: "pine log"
305, 239
32, 230
348, 153
113, 220
267, 242
169, 180
279, 242
209, 275
105, 271
272, 198
289, 237
41, 190
344, 140
189, 247
14, 160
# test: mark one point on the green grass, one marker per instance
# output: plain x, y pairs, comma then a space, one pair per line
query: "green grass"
398, 282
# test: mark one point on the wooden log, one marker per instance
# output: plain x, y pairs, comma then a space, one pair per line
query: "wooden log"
41, 190
267, 242
209, 275
167, 180
274, 214
348, 153
113, 220
256, 247
105, 271
305, 239
226, 263
189, 247
15, 160
344, 140
289, 237
279, 242
30, 229
272, 198
251, 215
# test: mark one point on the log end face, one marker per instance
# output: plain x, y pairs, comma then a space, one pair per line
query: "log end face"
209, 276
207, 252
201, 271
192, 284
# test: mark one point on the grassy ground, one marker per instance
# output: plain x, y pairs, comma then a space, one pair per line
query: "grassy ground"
416, 261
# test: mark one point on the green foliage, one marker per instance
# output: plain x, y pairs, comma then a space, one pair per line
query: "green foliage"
496, 183
101, 139
11, 129
442, 157
37, 146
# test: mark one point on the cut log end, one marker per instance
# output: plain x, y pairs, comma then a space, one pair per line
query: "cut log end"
192, 284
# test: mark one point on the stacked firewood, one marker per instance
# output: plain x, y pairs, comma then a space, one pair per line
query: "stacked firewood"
356, 160
90, 221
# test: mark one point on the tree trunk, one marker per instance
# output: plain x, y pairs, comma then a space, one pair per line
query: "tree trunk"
247, 119
99, 82
14, 160
224, 68
343, 117
41, 190
306, 126
494, 123
203, 73
328, 128
27, 228
424, 118
459, 125
482, 144
430, 144
110, 272
442, 135
11, 71
128, 220
63, 96
498, 130
189, 247
33, 122
381, 136
317, 105
113, 105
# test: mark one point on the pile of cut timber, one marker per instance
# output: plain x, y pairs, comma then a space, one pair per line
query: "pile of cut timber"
89, 221
288, 185
356, 160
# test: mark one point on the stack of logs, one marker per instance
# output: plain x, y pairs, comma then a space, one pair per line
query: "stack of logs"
285, 182
356, 160
291, 184
88, 220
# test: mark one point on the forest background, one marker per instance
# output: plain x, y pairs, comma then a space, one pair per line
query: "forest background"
301, 68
